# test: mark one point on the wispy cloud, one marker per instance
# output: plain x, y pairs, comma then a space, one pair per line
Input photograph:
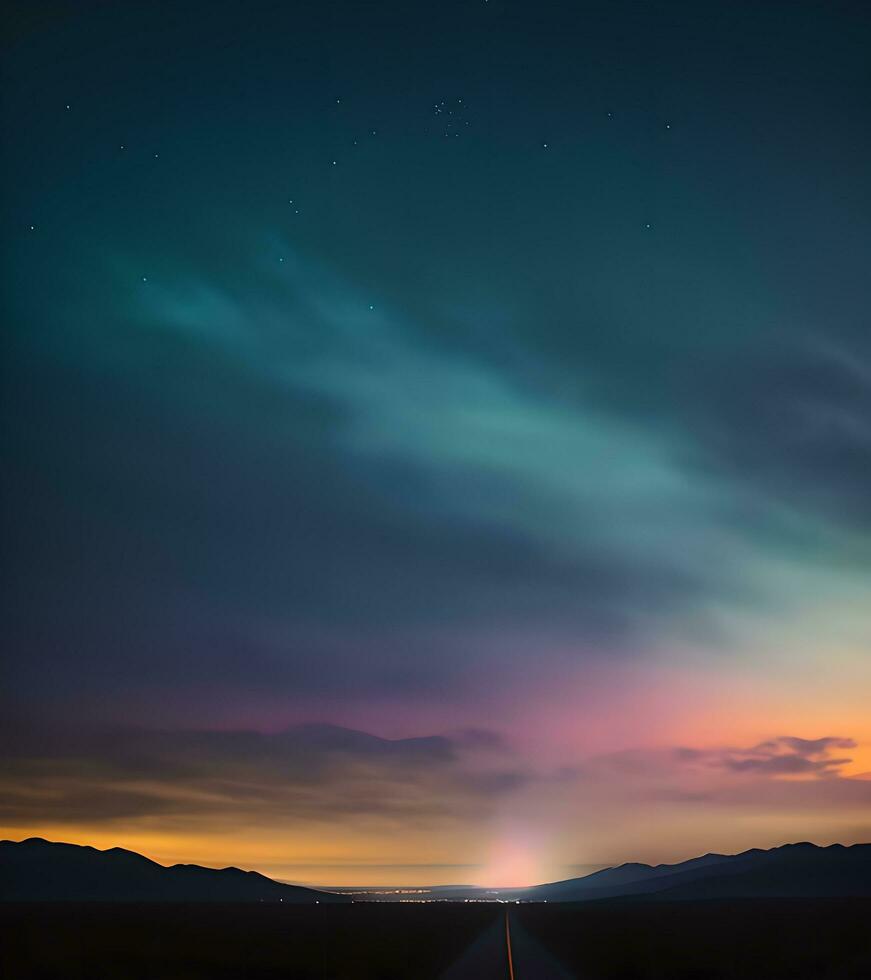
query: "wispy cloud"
318, 773
783, 756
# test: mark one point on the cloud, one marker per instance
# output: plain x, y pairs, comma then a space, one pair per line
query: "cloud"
615, 519
782, 756
787, 772
321, 773
811, 746
798, 426
677, 800
323, 500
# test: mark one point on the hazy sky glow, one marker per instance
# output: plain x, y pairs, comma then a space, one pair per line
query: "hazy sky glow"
437, 440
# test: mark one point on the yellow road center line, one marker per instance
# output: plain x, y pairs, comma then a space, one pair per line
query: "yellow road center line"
508, 946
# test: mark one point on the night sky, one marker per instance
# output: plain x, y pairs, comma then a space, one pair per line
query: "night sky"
436, 437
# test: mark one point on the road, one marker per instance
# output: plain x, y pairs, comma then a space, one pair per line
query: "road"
506, 951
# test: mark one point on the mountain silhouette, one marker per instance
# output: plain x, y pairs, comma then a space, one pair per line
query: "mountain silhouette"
791, 871
41, 870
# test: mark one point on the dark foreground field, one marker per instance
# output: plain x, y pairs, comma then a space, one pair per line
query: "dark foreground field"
750, 940
234, 942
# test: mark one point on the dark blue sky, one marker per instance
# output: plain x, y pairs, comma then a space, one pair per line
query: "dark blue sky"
397, 365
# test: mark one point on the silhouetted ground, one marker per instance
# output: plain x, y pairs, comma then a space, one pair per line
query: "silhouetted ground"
749, 939
235, 942
794, 939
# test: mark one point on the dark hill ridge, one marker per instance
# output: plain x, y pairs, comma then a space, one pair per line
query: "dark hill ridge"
633, 874
793, 870
41, 870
